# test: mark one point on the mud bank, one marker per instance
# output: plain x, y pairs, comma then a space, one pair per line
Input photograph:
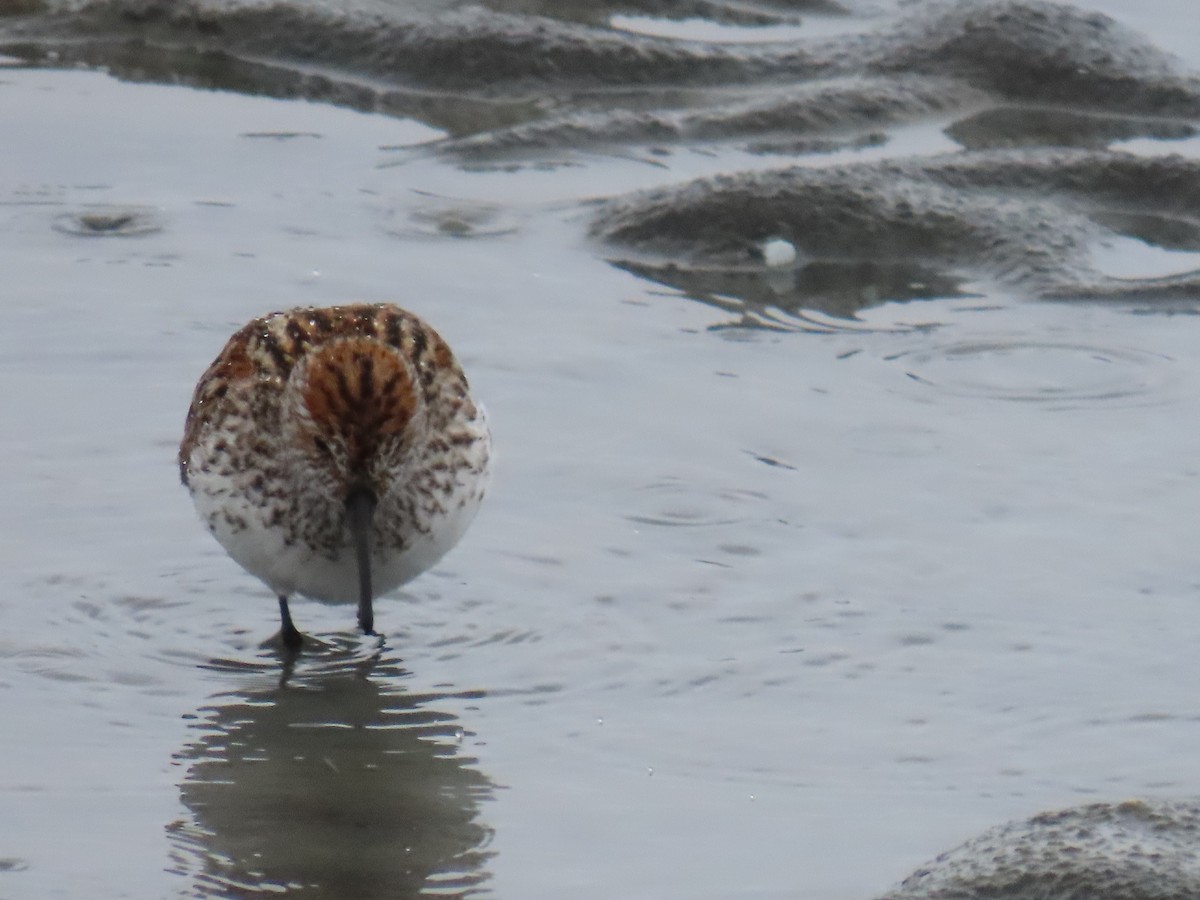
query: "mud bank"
1128, 851
1025, 50
512, 88
508, 86
1032, 219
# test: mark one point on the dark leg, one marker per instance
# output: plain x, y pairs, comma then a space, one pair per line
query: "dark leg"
292, 639
360, 509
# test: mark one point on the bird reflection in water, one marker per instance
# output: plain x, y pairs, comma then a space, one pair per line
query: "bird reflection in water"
330, 782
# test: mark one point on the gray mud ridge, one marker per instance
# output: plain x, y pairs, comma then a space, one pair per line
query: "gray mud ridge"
1134, 850
807, 117
364, 53
1035, 93
963, 57
1029, 218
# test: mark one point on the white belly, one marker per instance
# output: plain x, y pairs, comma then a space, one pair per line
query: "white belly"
242, 526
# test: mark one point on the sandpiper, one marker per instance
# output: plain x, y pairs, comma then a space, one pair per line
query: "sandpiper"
335, 452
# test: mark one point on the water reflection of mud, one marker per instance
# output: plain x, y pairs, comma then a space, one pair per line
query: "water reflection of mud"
334, 783
785, 299
1153, 228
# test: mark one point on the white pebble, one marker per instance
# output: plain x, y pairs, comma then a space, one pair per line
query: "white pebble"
778, 252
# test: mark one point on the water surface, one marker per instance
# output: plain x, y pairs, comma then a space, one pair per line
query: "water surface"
772, 597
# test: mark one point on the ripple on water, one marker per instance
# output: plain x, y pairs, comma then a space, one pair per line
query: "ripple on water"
339, 654
110, 221
1059, 373
674, 503
449, 217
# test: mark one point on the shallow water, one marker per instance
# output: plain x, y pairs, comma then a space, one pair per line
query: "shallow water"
765, 602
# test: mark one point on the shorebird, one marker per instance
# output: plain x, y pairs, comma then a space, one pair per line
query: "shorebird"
336, 453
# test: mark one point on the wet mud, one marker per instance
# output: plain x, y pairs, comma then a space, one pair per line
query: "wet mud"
1134, 850
1014, 84
1026, 49
1027, 218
